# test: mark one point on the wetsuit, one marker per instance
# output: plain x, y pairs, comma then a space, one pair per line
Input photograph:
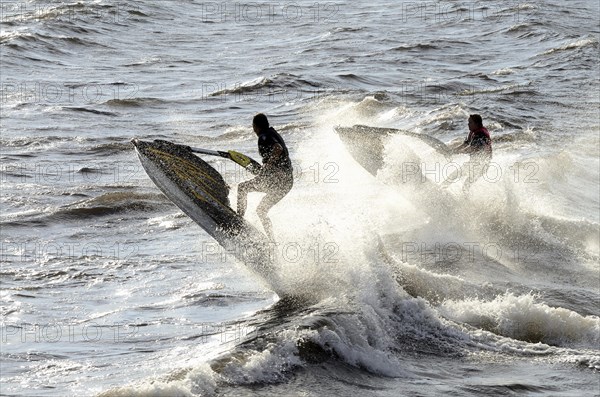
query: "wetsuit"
275, 178
479, 143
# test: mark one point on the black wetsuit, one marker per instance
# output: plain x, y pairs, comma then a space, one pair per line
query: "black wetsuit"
275, 178
481, 143
266, 143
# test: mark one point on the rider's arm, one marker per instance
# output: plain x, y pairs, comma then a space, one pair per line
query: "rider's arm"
465, 147
462, 148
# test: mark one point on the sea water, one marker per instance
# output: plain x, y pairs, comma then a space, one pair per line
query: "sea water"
109, 289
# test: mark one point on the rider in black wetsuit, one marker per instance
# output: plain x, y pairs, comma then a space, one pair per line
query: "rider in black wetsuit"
275, 177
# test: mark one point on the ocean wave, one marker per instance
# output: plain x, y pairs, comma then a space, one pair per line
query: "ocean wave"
145, 61
136, 102
582, 43
434, 287
503, 72
369, 328
590, 361
416, 46
245, 87
169, 222
103, 205
8, 36
114, 145
519, 28
190, 382
287, 87
234, 134
370, 106
515, 137
361, 79
62, 15
111, 148
347, 29
267, 366
510, 89
528, 29
32, 141
89, 110
111, 203
522, 318
54, 43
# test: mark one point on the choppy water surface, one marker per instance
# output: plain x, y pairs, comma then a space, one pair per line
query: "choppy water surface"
108, 289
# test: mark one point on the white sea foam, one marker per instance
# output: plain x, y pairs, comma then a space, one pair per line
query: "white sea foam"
521, 317
573, 45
